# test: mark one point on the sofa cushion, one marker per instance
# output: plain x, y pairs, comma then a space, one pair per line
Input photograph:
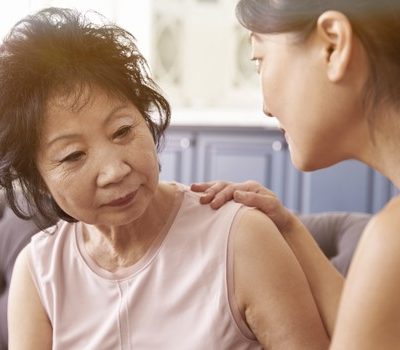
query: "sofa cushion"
337, 234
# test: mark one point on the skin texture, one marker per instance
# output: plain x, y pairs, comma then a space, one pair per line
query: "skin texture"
291, 90
94, 155
321, 110
370, 307
102, 150
91, 156
28, 324
98, 143
271, 289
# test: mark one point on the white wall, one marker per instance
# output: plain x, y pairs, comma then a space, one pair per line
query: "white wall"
206, 52
133, 15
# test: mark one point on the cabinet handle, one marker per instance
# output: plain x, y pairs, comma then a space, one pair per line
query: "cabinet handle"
277, 146
185, 142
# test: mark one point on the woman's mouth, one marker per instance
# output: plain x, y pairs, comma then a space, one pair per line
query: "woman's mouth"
122, 201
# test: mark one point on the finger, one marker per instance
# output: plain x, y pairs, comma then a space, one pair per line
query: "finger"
211, 192
223, 196
204, 187
253, 186
206, 198
201, 186
217, 186
210, 189
264, 202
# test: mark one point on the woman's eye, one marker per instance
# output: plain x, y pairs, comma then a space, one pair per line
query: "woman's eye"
73, 157
122, 132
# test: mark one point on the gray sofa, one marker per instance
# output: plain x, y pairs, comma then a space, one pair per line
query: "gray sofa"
336, 233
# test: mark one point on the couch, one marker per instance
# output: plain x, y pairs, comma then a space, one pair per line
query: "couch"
336, 233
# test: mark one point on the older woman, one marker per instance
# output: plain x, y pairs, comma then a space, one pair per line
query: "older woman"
132, 262
330, 73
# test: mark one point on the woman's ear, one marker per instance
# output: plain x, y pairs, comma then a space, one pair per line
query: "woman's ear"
336, 34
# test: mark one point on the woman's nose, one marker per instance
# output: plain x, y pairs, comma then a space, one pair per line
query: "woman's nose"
112, 171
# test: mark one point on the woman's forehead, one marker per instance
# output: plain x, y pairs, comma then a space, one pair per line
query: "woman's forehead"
80, 97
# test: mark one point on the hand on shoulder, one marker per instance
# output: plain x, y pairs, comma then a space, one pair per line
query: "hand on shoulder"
249, 193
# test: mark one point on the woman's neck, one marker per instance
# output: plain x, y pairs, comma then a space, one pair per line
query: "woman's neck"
123, 246
387, 162
383, 151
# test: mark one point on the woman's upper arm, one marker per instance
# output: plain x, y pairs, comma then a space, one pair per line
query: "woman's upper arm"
28, 324
271, 289
369, 313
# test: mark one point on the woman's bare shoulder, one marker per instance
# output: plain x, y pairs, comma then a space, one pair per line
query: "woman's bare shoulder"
28, 323
379, 247
254, 221
271, 289
391, 211
384, 227
370, 307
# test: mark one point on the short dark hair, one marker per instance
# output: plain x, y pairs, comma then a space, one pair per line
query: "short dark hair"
375, 22
57, 51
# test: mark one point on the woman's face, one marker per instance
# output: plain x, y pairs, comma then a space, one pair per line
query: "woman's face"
98, 159
316, 114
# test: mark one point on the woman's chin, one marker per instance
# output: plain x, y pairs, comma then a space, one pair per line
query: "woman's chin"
310, 163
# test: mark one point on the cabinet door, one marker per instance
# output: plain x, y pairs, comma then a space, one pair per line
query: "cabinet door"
239, 157
176, 159
347, 186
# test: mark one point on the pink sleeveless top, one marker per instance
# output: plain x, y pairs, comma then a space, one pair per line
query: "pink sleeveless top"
178, 296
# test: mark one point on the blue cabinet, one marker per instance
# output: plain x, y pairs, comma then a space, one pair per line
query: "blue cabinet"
347, 186
240, 156
176, 157
194, 154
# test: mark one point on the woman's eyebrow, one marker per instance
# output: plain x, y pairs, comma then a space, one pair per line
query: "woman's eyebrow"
61, 137
114, 111
72, 136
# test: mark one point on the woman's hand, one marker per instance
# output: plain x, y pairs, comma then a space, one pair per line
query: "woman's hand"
249, 193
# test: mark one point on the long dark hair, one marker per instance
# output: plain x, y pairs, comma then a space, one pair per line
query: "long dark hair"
59, 51
375, 22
